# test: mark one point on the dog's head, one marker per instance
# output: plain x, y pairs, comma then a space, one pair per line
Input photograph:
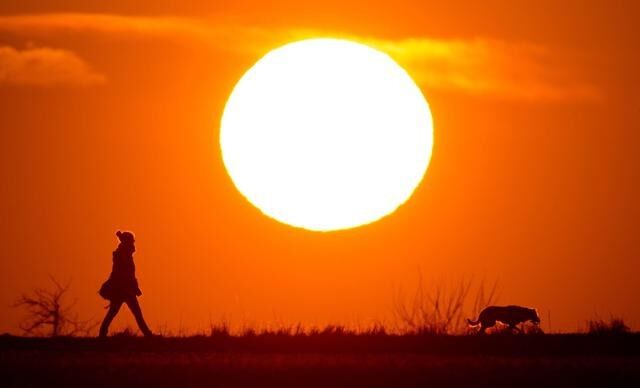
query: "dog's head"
535, 318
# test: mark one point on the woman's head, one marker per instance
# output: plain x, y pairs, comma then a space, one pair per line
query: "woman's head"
126, 239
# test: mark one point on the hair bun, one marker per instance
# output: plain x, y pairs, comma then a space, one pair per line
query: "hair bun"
118, 233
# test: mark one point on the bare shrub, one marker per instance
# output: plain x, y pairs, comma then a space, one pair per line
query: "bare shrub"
220, 330
615, 326
49, 313
442, 309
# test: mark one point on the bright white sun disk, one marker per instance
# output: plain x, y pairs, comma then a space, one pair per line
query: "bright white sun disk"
326, 134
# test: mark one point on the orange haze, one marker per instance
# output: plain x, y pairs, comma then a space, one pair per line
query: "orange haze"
109, 120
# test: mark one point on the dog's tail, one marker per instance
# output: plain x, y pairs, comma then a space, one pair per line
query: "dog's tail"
473, 323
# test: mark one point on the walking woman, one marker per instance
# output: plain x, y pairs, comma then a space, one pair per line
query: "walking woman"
122, 285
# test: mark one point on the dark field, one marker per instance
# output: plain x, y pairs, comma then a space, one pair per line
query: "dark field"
323, 361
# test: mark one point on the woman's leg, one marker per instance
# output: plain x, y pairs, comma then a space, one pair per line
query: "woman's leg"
137, 313
114, 307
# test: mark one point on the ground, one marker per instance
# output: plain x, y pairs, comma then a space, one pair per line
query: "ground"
323, 361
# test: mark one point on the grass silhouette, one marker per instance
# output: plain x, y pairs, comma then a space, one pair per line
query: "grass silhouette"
615, 326
428, 345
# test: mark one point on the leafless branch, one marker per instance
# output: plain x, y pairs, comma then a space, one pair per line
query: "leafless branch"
442, 308
48, 312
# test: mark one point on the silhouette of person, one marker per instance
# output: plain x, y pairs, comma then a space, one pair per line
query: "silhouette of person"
122, 285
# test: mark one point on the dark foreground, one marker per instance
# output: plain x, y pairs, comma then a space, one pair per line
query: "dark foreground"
323, 361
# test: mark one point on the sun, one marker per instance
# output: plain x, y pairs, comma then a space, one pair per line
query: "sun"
326, 134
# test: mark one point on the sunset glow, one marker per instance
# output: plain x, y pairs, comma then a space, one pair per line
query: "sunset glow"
284, 162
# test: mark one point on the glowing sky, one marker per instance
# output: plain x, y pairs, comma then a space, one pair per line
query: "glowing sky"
110, 116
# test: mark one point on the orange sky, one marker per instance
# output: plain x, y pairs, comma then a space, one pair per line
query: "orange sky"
110, 119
